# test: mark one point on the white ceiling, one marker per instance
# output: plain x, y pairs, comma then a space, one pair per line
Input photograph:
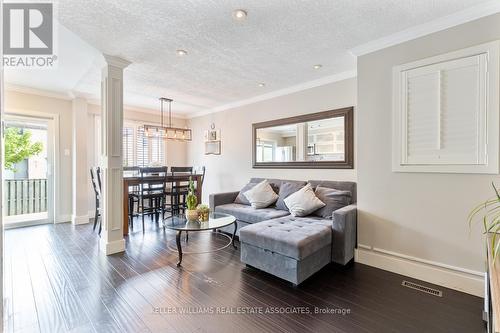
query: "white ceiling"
278, 44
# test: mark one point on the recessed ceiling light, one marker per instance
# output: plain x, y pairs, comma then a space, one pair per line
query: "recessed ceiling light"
239, 14
318, 66
262, 85
181, 52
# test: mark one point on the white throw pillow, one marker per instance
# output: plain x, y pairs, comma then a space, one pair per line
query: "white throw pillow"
303, 202
261, 195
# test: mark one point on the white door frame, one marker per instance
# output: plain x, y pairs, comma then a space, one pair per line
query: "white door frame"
52, 157
2, 97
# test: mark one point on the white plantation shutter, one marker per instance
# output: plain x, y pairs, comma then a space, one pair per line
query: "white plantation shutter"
422, 113
138, 150
149, 150
142, 148
128, 146
157, 153
442, 113
463, 112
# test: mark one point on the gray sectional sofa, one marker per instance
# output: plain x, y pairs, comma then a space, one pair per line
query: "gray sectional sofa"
292, 248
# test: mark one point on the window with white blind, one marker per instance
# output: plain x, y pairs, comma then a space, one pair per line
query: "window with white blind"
446, 112
142, 148
149, 150
138, 150
128, 146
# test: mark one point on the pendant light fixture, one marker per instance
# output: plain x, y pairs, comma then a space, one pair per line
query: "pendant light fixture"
167, 132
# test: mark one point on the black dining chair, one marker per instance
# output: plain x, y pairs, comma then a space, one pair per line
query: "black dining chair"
153, 192
96, 185
200, 170
133, 195
179, 190
99, 181
132, 170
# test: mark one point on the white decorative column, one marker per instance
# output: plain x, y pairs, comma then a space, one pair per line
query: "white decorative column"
111, 155
80, 173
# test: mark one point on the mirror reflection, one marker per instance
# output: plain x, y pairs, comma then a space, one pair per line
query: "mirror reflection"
318, 140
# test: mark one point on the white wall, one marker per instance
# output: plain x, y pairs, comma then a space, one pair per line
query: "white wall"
233, 168
416, 223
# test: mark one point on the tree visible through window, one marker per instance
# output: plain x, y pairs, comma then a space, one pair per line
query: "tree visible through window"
18, 147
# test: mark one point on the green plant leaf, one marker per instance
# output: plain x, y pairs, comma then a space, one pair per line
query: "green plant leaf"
481, 207
496, 191
489, 213
493, 220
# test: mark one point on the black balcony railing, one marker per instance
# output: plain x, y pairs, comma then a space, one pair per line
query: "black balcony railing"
25, 196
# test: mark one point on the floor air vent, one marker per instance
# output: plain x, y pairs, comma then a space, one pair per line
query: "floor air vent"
421, 288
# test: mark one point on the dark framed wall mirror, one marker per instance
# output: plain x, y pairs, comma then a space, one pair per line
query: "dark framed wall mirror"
323, 140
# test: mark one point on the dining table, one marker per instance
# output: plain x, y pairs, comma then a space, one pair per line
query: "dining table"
177, 178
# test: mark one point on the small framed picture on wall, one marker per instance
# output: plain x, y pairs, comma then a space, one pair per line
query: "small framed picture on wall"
213, 147
212, 135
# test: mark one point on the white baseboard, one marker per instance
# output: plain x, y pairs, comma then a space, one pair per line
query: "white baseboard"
461, 279
83, 219
112, 247
21, 224
91, 214
63, 218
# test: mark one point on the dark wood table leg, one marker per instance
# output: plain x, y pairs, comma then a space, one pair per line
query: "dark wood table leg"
234, 234
125, 207
179, 247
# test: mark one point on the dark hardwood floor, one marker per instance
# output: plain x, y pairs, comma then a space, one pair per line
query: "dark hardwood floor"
56, 280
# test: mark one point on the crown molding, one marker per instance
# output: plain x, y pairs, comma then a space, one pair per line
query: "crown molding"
71, 95
277, 93
449, 21
127, 107
38, 92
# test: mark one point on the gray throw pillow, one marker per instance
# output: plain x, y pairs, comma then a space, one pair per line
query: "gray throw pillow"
334, 199
285, 190
241, 199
